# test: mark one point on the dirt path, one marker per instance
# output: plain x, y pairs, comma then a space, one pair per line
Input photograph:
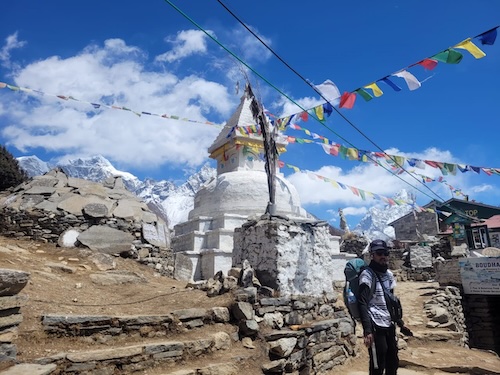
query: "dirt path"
424, 355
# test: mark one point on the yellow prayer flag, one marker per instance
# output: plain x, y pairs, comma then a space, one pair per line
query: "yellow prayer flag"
352, 153
319, 112
471, 47
334, 183
376, 90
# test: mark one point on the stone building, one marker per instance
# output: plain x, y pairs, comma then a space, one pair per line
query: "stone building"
466, 222
204, 244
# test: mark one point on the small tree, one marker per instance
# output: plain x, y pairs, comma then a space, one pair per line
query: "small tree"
11, 173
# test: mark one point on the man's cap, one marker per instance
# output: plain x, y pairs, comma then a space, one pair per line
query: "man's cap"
378, 245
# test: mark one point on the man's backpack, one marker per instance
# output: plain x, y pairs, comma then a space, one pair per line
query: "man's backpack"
352, 270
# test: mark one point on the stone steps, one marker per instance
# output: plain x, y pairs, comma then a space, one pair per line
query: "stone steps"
29, 368
138, 357
143, 325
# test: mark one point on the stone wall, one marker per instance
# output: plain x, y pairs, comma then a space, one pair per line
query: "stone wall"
481, 312
11, 283
309, 335
290, 257
483, 321
412, 228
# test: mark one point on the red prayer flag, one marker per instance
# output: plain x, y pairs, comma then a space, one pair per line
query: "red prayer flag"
347, 100
304, 116
431, 163
334, 150
428, 64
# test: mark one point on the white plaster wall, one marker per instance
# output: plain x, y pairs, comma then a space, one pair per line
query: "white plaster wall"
295, 258
245, 193
213, 261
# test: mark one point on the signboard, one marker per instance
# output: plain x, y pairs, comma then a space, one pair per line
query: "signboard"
480, 275
458, 231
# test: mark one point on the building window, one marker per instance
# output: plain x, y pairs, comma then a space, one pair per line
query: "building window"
479, 238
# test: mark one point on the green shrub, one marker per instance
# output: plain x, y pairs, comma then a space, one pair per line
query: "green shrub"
11, 173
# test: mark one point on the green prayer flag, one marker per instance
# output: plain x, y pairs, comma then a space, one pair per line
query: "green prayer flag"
449, 56
364, 94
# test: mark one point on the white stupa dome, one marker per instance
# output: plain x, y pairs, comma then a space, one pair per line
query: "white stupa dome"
245, 193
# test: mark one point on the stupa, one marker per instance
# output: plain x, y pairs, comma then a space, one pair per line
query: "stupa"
203, 245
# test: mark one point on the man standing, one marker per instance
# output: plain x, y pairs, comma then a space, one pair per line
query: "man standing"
378, 328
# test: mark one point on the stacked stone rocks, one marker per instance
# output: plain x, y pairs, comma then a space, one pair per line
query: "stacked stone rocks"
105, 218
11, 283
302, 333
445, 311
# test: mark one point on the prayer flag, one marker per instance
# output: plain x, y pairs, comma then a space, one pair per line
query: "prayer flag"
304, 116
448, 56
488, 37
376, 90
471, 47
364, 94
327, 108
319, 113
428, 64
347, 100
409, 78
391, 84
352, 153
329, 91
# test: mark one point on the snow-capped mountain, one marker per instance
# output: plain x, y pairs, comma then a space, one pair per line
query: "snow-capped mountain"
165, 198
375, 223
175, 202
33, 165
98, 168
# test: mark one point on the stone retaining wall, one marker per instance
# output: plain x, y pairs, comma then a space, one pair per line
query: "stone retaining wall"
129, 359
11, 283
309, 334
145, 325
483, 321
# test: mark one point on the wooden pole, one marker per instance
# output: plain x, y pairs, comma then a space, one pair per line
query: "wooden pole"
270, 151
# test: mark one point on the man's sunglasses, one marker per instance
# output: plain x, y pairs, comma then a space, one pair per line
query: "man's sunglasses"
382, 252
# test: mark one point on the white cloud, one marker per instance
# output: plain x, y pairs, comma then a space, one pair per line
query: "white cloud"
354, 211
11, 43
114, 74
186, 43
248, 47
481, 188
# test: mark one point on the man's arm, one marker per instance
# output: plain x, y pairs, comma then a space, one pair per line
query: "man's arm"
364, 299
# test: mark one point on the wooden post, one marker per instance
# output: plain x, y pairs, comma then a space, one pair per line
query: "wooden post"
270, 151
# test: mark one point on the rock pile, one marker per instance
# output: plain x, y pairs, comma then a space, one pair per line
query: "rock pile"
105, 218
11, 283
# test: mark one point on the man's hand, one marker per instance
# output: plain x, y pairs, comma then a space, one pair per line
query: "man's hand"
368, 340
406, 331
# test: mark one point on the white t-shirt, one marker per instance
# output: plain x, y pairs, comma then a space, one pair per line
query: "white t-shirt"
377, 308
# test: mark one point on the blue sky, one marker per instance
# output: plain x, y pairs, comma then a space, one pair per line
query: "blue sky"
149, 57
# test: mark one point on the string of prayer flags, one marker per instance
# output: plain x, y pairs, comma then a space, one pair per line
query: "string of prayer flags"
441, 180
395, 162
104, 106
363, 194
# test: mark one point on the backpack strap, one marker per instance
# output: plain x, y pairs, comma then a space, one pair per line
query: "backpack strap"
374, 282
